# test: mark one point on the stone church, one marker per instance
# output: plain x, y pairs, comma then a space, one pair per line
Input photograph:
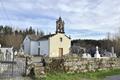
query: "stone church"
52, 45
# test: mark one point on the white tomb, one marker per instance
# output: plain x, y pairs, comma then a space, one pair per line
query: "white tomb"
7, 52
113, 53
97, 55
22, 53
15, 53
86, 55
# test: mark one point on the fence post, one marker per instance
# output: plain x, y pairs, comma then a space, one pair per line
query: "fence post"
26, 64
13, 64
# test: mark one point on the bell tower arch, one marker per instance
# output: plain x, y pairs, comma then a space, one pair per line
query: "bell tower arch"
60, 25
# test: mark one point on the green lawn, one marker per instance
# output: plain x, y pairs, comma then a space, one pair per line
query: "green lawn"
82, 76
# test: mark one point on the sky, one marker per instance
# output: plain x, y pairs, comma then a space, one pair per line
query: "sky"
84, 19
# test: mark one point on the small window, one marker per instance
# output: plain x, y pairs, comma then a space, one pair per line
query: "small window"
60, 39
39, 43
23, 47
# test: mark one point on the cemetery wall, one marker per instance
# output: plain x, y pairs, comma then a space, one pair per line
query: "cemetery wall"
34, 69
83, 65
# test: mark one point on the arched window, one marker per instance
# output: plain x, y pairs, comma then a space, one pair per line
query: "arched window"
61, 39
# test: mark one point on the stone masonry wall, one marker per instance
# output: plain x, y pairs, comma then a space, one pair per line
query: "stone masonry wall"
83, 65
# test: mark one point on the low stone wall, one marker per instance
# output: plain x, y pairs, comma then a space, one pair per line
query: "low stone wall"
35, 69
83, 65
39, 69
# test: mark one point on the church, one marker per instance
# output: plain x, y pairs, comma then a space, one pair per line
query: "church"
52, 45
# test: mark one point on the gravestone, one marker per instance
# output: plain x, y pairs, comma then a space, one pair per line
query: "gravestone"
15, 53
86, 55
113, 53
97, 55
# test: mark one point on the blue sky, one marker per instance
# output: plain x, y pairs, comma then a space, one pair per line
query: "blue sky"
84, 19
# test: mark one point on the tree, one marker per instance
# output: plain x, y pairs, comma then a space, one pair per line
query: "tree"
31, 31
20, 32
7, 30
40, 33
9, 39
1, 29
16, 32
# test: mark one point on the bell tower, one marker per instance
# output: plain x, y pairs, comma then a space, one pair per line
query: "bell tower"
60, 25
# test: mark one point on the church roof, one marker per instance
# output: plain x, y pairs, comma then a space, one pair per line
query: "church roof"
46, 37
37, 37
33, 37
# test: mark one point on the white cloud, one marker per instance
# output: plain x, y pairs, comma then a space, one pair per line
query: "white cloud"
96, 15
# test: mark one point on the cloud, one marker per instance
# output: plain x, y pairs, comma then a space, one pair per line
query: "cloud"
86, 34
83, 18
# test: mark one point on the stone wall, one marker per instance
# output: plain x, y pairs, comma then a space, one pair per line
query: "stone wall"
77, 65
35, 69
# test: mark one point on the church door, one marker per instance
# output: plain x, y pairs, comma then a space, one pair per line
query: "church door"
60, 52
38, 51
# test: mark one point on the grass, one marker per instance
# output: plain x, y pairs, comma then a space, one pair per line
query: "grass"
82, 76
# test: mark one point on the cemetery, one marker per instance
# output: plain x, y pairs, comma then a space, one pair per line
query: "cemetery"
59, 40
74, 64
42, 57
17, 63
41, 67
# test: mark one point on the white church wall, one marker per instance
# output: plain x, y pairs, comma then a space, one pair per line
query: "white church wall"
26, 44
44, 47
34, 48
55, 44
